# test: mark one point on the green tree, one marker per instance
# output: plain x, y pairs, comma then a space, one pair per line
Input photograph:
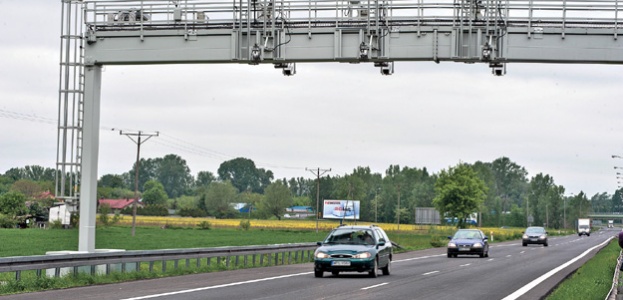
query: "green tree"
154, 193
204, 178
545, 201
277, 198
112, 181
218, 199
459, 192
13, 204
174, 175
244, 176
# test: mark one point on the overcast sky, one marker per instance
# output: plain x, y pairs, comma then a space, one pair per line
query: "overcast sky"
561, 120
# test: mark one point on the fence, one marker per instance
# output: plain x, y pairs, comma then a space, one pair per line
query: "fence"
127, 261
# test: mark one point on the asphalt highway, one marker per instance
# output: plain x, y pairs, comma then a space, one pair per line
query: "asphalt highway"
510, 272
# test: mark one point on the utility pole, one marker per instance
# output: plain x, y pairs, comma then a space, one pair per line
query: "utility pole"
138, 143
318, 174
398, 211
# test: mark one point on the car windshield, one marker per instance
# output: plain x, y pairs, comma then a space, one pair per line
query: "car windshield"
351, 236
467, 234
535, 230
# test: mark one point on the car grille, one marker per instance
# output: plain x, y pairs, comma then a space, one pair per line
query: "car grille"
341, 256
465, 245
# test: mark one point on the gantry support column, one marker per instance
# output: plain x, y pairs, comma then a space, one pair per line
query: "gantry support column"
90, 155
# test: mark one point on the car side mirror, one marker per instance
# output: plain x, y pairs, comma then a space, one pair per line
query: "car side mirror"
319, 243
382, 242
449, 237
485, 239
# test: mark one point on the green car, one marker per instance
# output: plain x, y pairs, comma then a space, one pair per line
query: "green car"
354, 249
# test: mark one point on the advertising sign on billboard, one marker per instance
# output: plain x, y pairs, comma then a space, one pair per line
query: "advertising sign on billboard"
341, 209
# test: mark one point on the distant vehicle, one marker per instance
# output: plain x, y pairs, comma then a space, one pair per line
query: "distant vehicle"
584, 227
534, 235
610, 223
354, 249
468, 241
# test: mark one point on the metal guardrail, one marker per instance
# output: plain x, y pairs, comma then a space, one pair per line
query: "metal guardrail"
131, 260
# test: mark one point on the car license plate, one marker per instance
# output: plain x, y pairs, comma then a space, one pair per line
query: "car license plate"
340, 263
533, 240
464, 249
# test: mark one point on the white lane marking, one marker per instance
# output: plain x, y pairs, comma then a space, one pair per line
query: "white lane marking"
371, 287
216, 286
415, 258
465, 265
508, 255
433, 272
490, 259
518, 293
522, 252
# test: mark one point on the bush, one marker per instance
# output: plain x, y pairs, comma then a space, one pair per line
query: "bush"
205, 225
438, 241
148, 210
245, 224
192, 212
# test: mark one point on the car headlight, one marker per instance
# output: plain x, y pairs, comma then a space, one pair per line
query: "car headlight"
362, 255
542, 237
321, 255
477, 245
525, 237
451, 245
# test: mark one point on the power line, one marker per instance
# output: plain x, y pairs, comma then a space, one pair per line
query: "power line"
166, 141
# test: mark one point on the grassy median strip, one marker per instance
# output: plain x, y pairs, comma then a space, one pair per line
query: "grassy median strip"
593, 280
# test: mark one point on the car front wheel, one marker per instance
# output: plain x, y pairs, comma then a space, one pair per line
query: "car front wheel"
318, 273
373, 272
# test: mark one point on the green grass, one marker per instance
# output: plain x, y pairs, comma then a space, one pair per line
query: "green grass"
593, 280
25, 242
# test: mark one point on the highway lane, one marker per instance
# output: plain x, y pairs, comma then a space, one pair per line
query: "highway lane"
426, 274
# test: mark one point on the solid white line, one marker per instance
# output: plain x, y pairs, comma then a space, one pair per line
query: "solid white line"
216, 286
522, 252
508, 255
465, 265
416, 258
433, 272
371, 287
490, 259
518, 293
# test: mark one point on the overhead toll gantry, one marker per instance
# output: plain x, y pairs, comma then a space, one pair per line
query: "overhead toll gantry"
289, 32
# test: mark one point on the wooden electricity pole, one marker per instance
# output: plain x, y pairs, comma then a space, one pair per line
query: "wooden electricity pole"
138, 143
318, 174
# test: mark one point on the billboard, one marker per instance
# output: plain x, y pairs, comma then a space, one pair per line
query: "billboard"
427, 215
341, 209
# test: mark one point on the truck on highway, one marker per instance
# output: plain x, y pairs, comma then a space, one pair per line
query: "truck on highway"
584, 227
610, 223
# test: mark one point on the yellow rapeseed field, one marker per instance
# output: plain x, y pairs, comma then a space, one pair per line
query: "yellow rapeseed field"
305, 224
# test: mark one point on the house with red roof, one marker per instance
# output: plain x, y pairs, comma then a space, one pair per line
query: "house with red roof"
118, 204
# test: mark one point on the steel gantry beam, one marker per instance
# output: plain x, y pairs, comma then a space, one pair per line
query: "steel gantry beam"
287, 32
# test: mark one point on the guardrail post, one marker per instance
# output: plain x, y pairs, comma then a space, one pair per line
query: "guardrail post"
18, 275
236, 261
296, 255
93, 268
277, 259
198, 262
209, 261
138, 266
107, 269
227, 261
122, 267
245, 261
151, 266
218, 261
261, 260
253, 257
57, 272
75, 271
175, 264
188, 263
164, 266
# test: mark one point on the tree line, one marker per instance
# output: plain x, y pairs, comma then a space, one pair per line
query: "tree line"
500, 191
